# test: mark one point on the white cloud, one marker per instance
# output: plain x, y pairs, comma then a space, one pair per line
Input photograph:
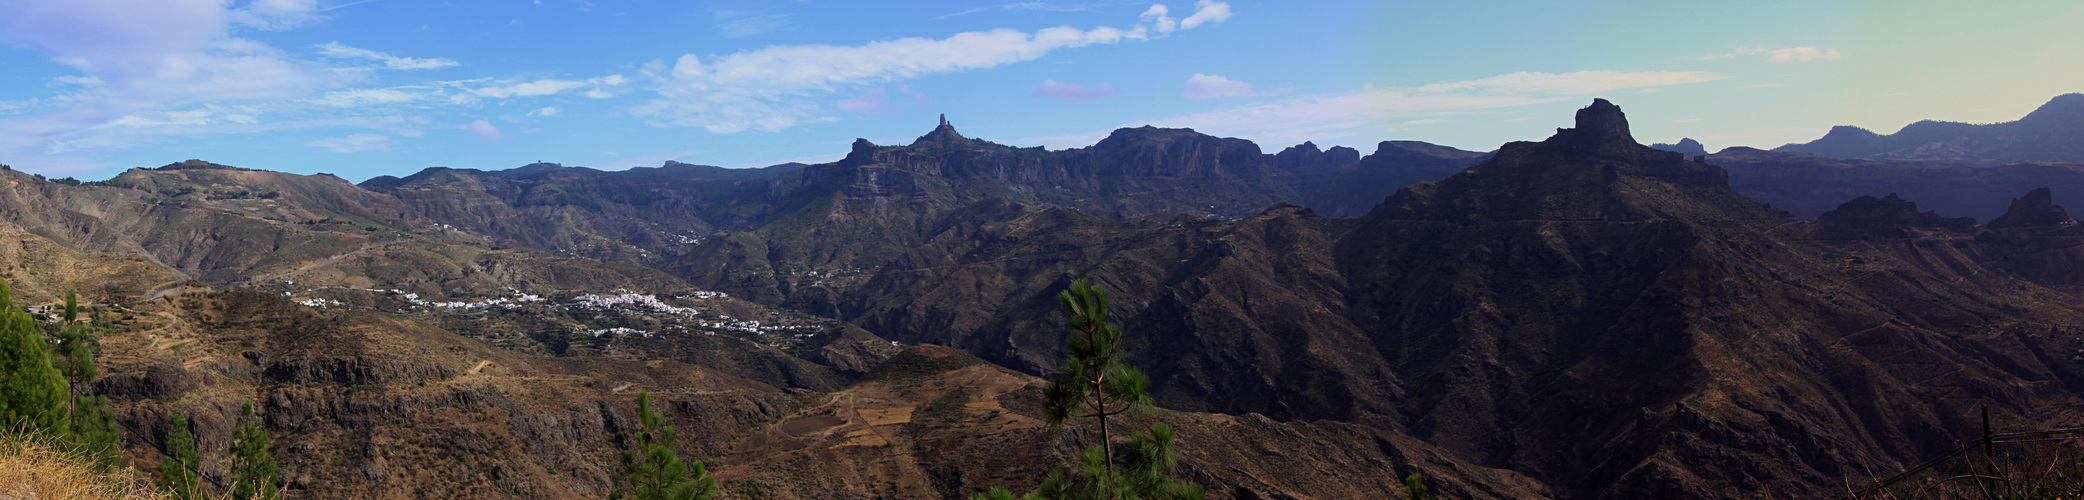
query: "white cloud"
484, 129
1802, 54
544, 111
1791, 54
356, 143
143, 63
776, 87
1321, 116
1206, 11
366, 97
599, 88
335, 49
1202, 87
1072, 92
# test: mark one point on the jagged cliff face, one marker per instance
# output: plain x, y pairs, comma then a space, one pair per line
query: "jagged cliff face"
881, 201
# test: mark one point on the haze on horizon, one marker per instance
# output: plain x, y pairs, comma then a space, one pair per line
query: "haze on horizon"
362, 88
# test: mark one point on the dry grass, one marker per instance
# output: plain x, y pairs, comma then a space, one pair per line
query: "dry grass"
37, 468
2046, 470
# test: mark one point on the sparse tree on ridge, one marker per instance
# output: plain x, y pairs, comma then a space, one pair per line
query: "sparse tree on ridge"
73, 356
1096, 385
177, 471
253, 469
655, 472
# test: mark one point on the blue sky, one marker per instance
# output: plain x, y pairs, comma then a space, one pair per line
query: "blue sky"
362, 88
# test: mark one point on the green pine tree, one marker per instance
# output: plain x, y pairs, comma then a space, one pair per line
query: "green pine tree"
33, 395
655, 473
77, 343
177, 472
1415, 487
253, 469
92, 424
96, 430
1096, 384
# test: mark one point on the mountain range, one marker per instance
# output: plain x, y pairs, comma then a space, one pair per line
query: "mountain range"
1581, 317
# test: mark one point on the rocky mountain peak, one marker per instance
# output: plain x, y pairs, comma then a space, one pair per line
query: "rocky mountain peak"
865, 152
1605, 119
944, 134
1601, 128
1307, 157
2035, 210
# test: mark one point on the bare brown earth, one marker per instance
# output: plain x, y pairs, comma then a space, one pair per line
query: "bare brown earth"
371, 405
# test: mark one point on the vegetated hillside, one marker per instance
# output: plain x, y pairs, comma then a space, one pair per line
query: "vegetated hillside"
2054, 132
1607, 318
1808, 185
368, 404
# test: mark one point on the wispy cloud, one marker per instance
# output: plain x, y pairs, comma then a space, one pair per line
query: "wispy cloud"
485, 130
1072, 92
1041, 6
1787, 55
356, 143
1202, 87
870, 102
598, 88
734, 24
335, 49
778, 87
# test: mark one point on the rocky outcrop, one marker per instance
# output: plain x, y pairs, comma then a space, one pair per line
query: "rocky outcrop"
1306, 157
2035, 210
1888, 216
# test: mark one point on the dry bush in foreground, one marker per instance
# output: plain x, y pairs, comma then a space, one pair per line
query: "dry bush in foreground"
36, 468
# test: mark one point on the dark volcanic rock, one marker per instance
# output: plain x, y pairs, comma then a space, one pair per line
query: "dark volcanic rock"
2035, 210
1886, 216
1306, 157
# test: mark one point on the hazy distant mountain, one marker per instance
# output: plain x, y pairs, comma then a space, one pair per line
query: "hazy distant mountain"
1686, 146
1808, 185
2054, 132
